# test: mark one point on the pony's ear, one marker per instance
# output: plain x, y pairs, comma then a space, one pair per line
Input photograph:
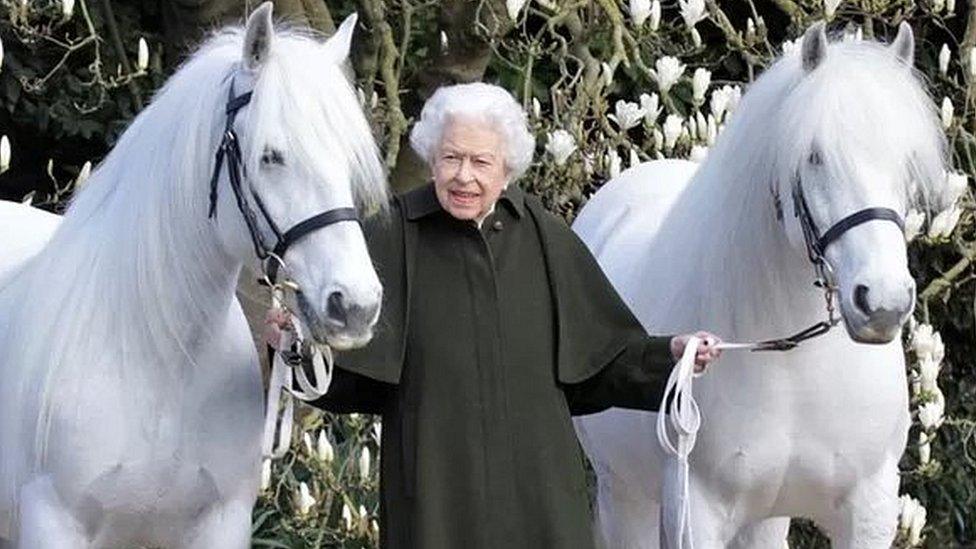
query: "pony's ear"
258, 36
904, 45
337, 47
814, 47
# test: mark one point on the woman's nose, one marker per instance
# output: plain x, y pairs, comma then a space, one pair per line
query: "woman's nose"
465, 174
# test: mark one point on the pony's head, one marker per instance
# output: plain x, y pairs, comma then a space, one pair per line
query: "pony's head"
856, 132
305, 149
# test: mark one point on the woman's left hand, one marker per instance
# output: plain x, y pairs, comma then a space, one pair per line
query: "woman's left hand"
707, 353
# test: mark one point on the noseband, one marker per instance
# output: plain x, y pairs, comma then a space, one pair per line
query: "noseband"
816, 245
272, 257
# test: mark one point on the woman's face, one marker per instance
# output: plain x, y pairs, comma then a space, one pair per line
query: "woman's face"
469, 168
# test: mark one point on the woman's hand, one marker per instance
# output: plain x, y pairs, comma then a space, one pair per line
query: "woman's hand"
707, 352
279, 332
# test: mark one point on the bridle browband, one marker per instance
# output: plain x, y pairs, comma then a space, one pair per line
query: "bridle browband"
272, 257
816, 245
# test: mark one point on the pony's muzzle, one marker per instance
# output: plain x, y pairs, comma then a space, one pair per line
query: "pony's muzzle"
878, 319
346, 321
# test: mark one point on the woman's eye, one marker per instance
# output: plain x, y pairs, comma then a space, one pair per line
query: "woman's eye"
272, 157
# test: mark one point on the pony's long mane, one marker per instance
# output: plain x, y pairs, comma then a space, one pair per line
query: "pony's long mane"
722, 247
112, 276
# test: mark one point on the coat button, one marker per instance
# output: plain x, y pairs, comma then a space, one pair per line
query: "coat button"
497, 225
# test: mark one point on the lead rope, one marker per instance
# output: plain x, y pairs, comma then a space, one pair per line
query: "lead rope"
286, 368
680, 412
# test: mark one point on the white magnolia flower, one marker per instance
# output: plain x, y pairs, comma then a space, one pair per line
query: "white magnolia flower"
364, 464
373, 101
972, 61
711, 132
908, 507
698, 153
655, 16
692, 11
937, 5
789, 46
536, 108
514, 7
265, 474
142, 61
4, 153
444, 42
915, 529
626, 114
658, 138
923, 339
931, 414
830, 7
911, 520
924, 448
945, 222
701, 126
378, 431
913, 224
613, 162
560, 145
307, 441
724, 100
699, 84
667, 71
347, 516
673, 125
950, 6
750, 30
947, 112
362, 512
1, 55
691, 128
695, 38
304, 500
323, 448
928, 372
83, 174
639, 11
651, 105
67, 8
956, 184
944, 56
634, 158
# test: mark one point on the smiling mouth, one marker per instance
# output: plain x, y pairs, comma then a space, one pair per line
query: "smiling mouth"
464, 196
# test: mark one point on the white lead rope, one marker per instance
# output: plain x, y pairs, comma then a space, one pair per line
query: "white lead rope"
682, 417
282, 394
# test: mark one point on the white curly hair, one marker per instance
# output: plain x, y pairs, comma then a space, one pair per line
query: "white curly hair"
482, 101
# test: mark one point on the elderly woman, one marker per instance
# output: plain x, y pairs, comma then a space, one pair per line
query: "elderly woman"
497, 326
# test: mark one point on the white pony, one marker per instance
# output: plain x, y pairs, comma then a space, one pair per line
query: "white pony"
130, 397
816, 431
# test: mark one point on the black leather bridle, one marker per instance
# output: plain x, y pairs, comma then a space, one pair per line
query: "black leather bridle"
272, 257
816, 245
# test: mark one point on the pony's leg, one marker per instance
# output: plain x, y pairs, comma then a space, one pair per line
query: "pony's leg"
44, 521
625, 518
770, 533
868, 517
227, 526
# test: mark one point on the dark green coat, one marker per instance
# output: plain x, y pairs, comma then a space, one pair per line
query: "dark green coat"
488, 341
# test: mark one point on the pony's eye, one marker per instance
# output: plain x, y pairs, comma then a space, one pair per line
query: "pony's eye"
272, 157
814, 158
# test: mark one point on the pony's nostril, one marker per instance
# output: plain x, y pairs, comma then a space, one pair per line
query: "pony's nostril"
335, 309
861, 299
